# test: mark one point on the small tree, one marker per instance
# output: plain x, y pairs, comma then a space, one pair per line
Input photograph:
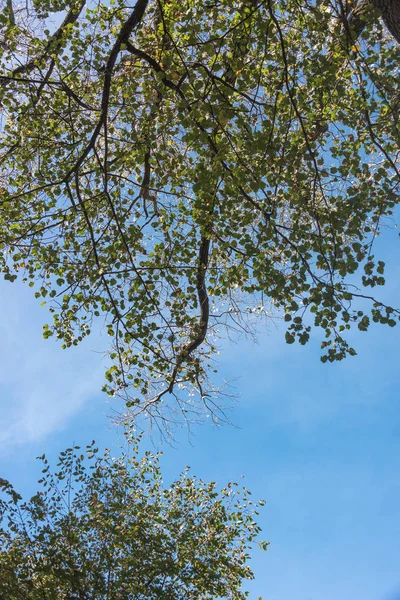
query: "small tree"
112, 531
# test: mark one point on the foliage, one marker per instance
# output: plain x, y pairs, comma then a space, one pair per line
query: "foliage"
110, 530
182, 168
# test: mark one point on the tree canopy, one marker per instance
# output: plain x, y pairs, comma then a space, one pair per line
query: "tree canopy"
108, 529
182, 169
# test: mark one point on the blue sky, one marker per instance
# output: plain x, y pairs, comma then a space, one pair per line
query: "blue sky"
319, 442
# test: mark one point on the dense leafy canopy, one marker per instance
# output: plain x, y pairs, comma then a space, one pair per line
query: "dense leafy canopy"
184, 167
110, 530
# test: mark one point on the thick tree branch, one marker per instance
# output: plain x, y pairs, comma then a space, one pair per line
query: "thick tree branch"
126, 30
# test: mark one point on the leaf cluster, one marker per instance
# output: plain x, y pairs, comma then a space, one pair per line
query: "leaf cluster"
106, 528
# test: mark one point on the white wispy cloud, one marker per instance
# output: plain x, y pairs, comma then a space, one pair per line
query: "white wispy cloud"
41, 385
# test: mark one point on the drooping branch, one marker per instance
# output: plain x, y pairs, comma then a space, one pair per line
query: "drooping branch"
202, 327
